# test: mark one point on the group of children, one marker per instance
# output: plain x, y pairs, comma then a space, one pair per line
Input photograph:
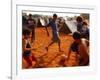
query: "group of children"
80, 44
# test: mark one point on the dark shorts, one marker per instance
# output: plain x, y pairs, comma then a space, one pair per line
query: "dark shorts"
27, 53
29, 57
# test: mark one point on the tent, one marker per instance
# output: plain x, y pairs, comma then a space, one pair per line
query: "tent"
72, 26
68, 27
42, 22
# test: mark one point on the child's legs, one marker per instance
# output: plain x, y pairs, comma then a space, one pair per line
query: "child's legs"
33, 60
28, 60
52, 42
59, 44
46, 30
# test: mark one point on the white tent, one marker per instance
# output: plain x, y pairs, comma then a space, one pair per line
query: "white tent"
71, 25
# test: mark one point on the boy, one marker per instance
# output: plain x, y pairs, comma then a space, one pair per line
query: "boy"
55, 36
80, 47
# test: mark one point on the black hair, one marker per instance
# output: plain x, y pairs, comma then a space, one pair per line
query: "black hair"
79, 19
54, 15
76, 35
26, 32
30, 15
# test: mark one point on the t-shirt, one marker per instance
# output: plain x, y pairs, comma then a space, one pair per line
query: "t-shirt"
31, 23
79, 27
53, 25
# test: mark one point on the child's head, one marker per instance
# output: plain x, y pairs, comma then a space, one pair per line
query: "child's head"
54, 16
76, 35
79, 19
30, 15
26, 33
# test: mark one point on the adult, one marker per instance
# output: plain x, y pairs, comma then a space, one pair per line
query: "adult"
31, 25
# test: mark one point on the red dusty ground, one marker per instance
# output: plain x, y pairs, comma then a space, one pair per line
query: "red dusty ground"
53, 56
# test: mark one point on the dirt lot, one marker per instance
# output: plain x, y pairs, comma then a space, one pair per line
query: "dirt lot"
53, 57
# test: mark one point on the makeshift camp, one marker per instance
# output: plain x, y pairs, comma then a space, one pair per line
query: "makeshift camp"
42, 22
68, 27
72, 26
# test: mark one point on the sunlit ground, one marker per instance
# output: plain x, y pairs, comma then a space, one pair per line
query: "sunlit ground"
53, 57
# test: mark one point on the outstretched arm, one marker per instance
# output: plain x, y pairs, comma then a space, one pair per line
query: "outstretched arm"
47, 29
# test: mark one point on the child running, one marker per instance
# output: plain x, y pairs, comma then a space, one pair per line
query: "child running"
55, 36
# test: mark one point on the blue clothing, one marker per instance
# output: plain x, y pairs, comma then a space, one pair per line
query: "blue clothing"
79, 27
53, 25
27, 53
85, 32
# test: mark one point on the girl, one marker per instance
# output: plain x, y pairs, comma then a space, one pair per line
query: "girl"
27, 54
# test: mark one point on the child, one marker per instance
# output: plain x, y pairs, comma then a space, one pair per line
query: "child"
80, 48
79, 20
55, 36
27, 54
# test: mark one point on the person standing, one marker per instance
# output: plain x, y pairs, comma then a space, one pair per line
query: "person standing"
79, 20
31, 25
85, 30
